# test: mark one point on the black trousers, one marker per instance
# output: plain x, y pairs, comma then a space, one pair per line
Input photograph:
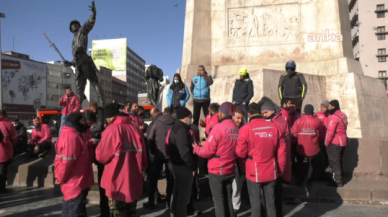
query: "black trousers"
3, 175
202, 166
279, 197
197, 111
324, 159
221, 187
335, 153
313, 164
155, 170
104, 204
254, 190
75, 207
35, 150
294, 168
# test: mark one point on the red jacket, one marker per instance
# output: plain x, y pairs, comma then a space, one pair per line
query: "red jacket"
220, 148
10, 139
122, 150
210, 121
87, 136
70, 104
286, 116
135, 119
283, 126
72, 164
41, 134
260, 141
336, 129
307, 129
322, 117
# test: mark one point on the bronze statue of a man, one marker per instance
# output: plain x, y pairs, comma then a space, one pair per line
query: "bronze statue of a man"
154, 75
85, 69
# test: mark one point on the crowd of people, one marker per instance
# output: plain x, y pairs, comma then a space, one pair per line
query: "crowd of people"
261, 143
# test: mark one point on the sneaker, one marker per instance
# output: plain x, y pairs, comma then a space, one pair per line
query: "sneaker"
149, 206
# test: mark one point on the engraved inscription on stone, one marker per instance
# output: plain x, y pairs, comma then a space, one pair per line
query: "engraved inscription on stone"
263, 25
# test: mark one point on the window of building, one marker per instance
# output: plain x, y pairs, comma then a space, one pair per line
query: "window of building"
380, 29
53, 85
52, 97
380, 7
54, 73
380, 11
382, 74
380, 32
381, 51
382, 59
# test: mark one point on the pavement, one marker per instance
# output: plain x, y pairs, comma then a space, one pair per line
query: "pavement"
37, 202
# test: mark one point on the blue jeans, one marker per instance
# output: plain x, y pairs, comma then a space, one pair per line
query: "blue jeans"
63, 120
75, 207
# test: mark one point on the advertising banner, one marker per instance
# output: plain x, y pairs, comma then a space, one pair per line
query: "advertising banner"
110, 53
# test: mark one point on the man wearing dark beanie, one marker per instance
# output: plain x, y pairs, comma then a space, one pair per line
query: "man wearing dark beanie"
307, 130
122, 151
336, 140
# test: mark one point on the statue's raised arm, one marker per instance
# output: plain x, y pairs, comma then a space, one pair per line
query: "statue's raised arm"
89, 24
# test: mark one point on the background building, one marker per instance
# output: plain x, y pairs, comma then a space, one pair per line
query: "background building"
59, 78
119, 90
369, 30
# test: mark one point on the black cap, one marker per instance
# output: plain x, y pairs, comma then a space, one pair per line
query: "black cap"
182, 112
335, 103
111, 110
309, 109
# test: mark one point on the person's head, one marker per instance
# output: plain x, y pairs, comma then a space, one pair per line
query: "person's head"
90, 117
94, 106
243, 72
15, 122
324, 106
287, 104
226, 110
78, 121
238, 116
167, 111
134, 108
177, 78
290, 67
140, 110
111, 111
183, 114
201, 70
213, 108
309, 109
154, 112
127, 106
35, 121
68, 91
267, 110
74, 26
253, 110
333, 106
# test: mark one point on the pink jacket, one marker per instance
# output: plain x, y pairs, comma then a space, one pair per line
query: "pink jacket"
87, 136
293, 117
220, 148
10, 139
336, 129
286, 116
307, 129
70, 104
283, 127
72, 164
41, 134
322, 117
135, 119
261, 142
122, 150
210, 121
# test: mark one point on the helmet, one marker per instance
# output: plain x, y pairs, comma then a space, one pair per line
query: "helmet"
291, 64
74, 21
243, 71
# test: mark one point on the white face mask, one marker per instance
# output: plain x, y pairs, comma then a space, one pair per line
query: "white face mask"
176, 81
190, 122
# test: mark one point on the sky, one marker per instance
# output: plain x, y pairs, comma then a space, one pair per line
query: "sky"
153, 28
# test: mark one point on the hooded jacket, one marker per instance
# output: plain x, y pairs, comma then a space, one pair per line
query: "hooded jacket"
10, 137
41, 134
336, 129
157, 136
200, 87
243, 91
220, 147
70, 104
285, 130
122, 151
180, 96
261, 142
323, 118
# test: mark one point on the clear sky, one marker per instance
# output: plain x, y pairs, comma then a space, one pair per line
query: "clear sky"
154, 28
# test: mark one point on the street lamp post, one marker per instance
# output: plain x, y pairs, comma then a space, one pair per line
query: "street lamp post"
2, 15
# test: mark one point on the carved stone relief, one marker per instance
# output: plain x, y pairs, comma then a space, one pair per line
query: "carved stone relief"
263, 25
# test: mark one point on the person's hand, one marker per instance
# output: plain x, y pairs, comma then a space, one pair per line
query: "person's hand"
142, 127
193, 173
194, 144
203, 143
57, 182
95, 141
234, 102
93, 7
244, 103
200, 121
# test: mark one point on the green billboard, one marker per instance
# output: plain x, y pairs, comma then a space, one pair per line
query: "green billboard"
110, 53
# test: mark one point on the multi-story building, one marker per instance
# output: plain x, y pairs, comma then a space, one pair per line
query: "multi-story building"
135, 75
119, 91
59, 78
369, 29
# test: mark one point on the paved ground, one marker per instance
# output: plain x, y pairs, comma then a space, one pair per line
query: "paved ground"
37, 202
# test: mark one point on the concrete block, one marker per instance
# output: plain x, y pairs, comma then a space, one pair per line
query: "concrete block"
353, 190
379, 189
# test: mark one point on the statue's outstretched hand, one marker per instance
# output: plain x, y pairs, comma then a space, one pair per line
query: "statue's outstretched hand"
93, 7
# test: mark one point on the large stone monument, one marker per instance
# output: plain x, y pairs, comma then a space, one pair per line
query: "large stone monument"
263, 35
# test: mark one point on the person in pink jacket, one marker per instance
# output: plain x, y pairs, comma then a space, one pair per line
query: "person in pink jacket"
70, 103
73, 166
10, 137
307, 129
260, 142
41, 139
122, 151
336, 140
323, 116
211, 119
220, 150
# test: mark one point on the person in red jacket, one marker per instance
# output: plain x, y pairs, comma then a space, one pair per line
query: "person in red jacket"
41, 139
307, 129
211, 118
73, 166
70, 103
260, 142
336, 141
122, 151
10, 138
220, 150
323, 116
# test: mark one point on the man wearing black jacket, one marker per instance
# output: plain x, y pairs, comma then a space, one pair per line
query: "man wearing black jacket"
21, 144
96, 130
180, 150
243, 91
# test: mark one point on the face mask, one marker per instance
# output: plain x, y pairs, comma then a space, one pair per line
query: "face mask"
176, 81
189, 122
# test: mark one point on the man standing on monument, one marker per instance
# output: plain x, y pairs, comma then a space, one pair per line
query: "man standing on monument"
200, 88
70, 103
292, 85
243, 91
83, 63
